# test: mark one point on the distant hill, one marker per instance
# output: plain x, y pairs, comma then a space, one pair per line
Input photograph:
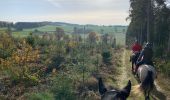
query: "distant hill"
68, 27
6, 24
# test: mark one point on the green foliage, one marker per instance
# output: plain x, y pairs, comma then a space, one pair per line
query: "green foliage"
150, 21
93, 37
56, 61
63, 88
158, 51
31, 40
59, 33
163, 66
4, 54
25, 68
42, 42
7, 45
18, 64
40, 96
107, 57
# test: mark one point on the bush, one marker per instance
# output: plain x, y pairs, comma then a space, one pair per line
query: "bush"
4, 54
19, 64
107, 57
42, 42
158, 51
31, 40
63, 88
56, 61
163, 67
40, 96
7, 45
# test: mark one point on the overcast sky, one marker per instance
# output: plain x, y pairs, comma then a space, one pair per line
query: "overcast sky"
101, 12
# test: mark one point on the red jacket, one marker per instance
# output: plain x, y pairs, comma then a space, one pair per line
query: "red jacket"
136, 47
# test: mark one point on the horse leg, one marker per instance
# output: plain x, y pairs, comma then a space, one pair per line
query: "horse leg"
145, 94
132, 68
148, 95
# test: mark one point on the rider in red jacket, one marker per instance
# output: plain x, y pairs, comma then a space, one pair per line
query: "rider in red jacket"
136, 47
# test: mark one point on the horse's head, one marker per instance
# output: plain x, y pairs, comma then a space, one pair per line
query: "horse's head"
114, 94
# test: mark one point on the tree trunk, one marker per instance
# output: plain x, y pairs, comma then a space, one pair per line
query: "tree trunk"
141, 31
148, 20
169, 44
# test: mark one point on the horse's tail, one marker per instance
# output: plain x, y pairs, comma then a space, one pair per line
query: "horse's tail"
148, 82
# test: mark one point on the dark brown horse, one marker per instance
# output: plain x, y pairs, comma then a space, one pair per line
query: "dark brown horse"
114, 94
133, 59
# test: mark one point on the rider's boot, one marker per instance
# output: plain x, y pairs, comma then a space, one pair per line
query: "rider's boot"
136, 68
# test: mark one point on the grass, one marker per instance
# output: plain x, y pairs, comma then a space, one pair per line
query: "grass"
40, 96
20, 34
120, 37
48, 28
131, 77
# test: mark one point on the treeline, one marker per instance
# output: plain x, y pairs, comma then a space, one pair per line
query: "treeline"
150, 20
6, 24
22, 25
77, 30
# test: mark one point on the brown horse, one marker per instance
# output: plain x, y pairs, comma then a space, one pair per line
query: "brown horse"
133, 59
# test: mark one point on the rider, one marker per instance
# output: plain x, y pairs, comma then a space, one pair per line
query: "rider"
146, 56
136, 48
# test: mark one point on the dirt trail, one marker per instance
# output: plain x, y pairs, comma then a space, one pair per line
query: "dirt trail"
126, 75
123, 69
157, 94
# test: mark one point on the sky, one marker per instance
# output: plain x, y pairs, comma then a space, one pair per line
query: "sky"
100, 12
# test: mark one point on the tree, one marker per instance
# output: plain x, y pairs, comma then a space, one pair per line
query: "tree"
105, 38
66, 38
30, 40
155, 24
92, 37
59, 33
138, 24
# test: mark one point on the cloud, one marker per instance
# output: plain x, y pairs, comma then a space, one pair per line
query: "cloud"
99, 18
73, 11
90, 5
53, 2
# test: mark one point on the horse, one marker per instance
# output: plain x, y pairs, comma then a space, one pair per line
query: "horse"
146, 74
114, 94
133, 59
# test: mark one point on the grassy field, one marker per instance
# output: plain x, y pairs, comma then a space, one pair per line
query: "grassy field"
69, 28
118, 33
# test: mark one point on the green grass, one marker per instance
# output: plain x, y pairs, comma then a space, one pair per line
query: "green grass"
69, 28
20, 34
48, 28
120, 37
40, 96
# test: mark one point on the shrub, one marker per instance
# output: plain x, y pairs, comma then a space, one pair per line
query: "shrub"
42, 42
158, 51
18, 65
7, 45
56, 61
30, 40
63, 88
40, 96
107, 57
